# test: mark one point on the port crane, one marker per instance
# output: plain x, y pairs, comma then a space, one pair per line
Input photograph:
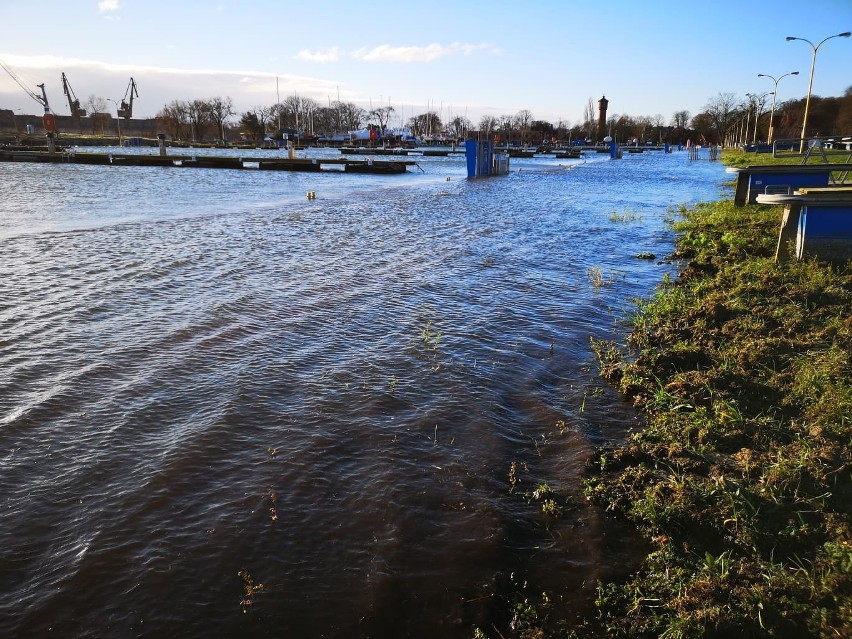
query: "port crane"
41, 99
48, 120
126, 110
73, 103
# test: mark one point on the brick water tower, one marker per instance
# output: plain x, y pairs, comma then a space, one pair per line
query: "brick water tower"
602, 104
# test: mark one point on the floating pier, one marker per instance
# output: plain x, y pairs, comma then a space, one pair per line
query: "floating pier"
351, 150
343, 165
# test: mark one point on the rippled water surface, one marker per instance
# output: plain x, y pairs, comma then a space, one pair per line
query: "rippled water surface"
228, 410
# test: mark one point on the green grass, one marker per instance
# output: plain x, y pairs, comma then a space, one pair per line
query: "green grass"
741, 481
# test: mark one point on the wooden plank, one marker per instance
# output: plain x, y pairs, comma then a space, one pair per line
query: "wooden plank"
785, 250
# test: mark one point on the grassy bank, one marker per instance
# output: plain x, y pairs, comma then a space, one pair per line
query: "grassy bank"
740, 482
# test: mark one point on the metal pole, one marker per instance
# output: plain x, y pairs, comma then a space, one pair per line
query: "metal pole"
117, 119
756, 118
774, 95
845, 34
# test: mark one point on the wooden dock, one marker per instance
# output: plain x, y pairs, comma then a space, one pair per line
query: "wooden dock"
342, 165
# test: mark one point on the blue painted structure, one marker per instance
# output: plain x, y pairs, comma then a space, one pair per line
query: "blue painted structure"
825, 230
768, 179
482, 161
818, 220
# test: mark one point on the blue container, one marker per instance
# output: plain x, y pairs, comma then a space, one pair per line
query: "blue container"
825, 232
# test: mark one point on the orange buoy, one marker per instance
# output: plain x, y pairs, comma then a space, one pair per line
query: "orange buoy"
49, 122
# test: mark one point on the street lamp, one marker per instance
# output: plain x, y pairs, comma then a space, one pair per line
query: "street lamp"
845, 34
751, 102
759, 102
117, 119
774, 95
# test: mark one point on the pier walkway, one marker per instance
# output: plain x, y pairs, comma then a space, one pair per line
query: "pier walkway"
213, 162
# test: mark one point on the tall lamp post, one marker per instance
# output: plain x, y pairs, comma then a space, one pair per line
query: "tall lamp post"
774, 95
117, 119
845, 34
753, 102
759, 103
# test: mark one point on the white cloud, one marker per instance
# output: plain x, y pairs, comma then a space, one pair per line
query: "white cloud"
321, 55
157, 85
387, 53
108, 5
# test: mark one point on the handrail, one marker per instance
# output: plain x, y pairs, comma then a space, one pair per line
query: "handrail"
823, 146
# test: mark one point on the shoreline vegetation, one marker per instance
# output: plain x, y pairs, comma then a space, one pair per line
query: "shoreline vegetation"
740, 481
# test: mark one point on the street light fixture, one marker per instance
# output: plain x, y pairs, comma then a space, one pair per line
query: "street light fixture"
774, 95
754, 101
759, 103
845, 34
117, 118
748, 117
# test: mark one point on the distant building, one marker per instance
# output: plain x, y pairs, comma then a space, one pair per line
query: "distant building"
602, 105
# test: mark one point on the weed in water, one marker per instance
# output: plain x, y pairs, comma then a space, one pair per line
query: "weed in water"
626, 216
430, 339
514, 469
596, 276
273, 509
250, 589
600, 279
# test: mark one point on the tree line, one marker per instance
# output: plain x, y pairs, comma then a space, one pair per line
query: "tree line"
732, 120
726, 119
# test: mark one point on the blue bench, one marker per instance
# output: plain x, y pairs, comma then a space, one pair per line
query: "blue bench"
781, 178
817, 222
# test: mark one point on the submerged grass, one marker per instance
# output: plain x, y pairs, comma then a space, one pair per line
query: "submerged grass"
741, 479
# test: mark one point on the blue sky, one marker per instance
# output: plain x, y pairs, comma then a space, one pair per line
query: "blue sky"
469, 58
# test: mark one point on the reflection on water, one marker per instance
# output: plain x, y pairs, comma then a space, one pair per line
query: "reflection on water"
226, 410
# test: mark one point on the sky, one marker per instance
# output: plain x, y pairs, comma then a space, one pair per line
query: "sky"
457, 58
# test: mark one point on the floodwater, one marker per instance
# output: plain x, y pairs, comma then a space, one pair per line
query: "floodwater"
228, 410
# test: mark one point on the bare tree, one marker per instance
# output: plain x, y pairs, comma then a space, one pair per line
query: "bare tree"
680, 122
544, 131
704, 126
253, 123
425, 124
96, 107
522, 122
295, 113
95, 104
198, 113
720, 111
174, 119
382, 115
680, 119
459, 126
487, 124
612, 123
504, 125
220, 110
589, 117
349, 116
643, 124
659, 122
